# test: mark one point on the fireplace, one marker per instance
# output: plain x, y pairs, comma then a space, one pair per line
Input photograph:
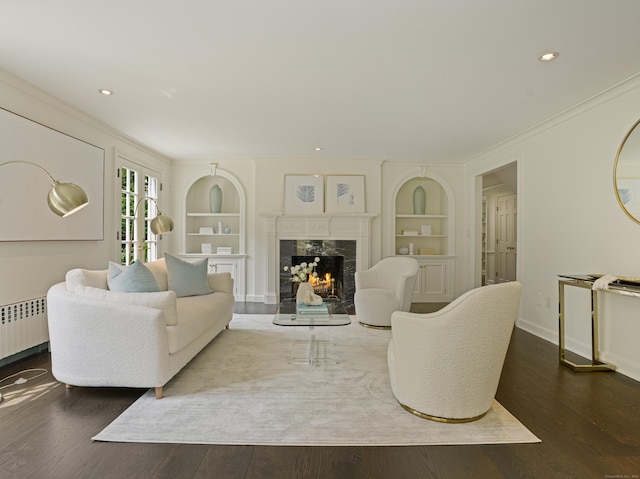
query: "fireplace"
328, 235
330, 276
336, 268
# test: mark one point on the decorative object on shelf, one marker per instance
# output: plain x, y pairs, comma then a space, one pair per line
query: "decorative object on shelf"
205, 230
419, 200
411, 249
410, 232
220, 228
403, 249
303, 273
227, 229
224, 250
206, 248
345, 194
426, 251
304, 193
215, 199
426, 230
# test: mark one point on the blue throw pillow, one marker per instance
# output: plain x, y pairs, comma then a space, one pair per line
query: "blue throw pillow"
136, 278
186, 278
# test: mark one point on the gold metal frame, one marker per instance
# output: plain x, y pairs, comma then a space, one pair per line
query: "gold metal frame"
596, 364
447, 420
615, 173
373, 326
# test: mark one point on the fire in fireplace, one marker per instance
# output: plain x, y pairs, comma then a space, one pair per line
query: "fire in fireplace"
337, 259
330, 270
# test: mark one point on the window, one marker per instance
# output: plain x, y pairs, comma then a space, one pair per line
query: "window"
139, 188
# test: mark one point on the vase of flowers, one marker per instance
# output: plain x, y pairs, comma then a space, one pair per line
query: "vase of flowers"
301, 273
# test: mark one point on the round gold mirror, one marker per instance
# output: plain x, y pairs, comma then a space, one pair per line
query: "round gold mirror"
626, 173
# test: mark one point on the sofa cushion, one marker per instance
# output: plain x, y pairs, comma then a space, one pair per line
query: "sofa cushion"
196, 314
186, 278
159, 270
135, 278
86, 277
162, 300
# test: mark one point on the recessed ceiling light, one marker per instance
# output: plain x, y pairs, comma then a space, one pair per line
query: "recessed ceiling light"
548, 56
105, 92
318, 148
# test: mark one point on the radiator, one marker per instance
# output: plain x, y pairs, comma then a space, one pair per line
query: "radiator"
23, 325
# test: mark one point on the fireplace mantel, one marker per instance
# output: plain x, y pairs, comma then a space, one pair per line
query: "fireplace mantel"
335, 226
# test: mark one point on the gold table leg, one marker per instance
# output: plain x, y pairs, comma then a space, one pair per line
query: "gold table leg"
596, 364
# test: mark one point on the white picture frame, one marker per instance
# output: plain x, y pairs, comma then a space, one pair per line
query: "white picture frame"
304, 194
345, 194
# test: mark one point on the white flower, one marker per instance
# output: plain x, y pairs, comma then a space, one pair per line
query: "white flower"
303, 271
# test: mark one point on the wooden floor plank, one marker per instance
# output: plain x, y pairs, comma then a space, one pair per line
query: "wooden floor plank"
589, 424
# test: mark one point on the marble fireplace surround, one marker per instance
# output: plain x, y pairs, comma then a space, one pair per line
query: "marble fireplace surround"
326, 226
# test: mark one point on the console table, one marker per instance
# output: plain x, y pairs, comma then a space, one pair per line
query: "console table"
585, 281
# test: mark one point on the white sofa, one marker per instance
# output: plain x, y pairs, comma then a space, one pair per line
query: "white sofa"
109, 338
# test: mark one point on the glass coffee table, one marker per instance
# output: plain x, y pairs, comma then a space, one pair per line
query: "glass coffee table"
286, 316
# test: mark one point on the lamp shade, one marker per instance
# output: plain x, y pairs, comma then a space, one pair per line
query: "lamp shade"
66, 198
161, 224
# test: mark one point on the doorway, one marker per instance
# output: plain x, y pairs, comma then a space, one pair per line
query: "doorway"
499, 225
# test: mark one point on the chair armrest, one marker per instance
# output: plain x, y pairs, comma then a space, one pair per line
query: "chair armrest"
366, 279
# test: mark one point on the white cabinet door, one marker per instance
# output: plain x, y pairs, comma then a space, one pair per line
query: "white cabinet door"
434, 281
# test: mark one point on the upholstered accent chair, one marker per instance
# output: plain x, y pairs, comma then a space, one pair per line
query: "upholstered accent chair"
445, 366
383, 289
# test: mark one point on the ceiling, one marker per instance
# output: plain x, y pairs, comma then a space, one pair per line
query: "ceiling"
418, 80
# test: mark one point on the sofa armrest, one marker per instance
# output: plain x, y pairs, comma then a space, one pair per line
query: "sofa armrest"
220, 282
96, 343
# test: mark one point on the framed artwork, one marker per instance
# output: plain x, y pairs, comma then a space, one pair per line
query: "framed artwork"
345, 194
303, 193
24, 188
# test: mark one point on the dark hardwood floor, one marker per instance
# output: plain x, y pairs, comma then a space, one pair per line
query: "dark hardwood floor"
589, 424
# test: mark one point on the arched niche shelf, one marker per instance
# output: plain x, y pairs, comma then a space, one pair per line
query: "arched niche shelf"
429, 232
218, 236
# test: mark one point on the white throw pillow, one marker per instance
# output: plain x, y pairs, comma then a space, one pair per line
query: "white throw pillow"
159, 270
86, 277
163, 300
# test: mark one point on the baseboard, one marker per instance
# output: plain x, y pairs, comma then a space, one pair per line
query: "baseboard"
625, 367
24, 354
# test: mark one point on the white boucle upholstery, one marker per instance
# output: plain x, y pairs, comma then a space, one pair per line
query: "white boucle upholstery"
98, 341
447, 364
383, 289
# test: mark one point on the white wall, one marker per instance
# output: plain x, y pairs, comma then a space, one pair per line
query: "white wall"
569, 221
28, 269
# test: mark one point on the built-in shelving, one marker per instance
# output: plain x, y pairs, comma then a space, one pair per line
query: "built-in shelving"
223, 241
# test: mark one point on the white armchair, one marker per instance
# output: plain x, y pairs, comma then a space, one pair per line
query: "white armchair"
383, 289
445, 366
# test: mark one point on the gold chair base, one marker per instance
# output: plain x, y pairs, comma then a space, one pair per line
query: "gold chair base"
373, 326
448, 420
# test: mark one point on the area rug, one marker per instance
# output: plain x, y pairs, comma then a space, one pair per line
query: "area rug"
253, 386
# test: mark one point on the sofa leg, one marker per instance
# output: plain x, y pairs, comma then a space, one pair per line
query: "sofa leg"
227, 326
159, 392
68, 386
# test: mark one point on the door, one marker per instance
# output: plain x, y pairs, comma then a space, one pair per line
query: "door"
139, 190
506, 221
